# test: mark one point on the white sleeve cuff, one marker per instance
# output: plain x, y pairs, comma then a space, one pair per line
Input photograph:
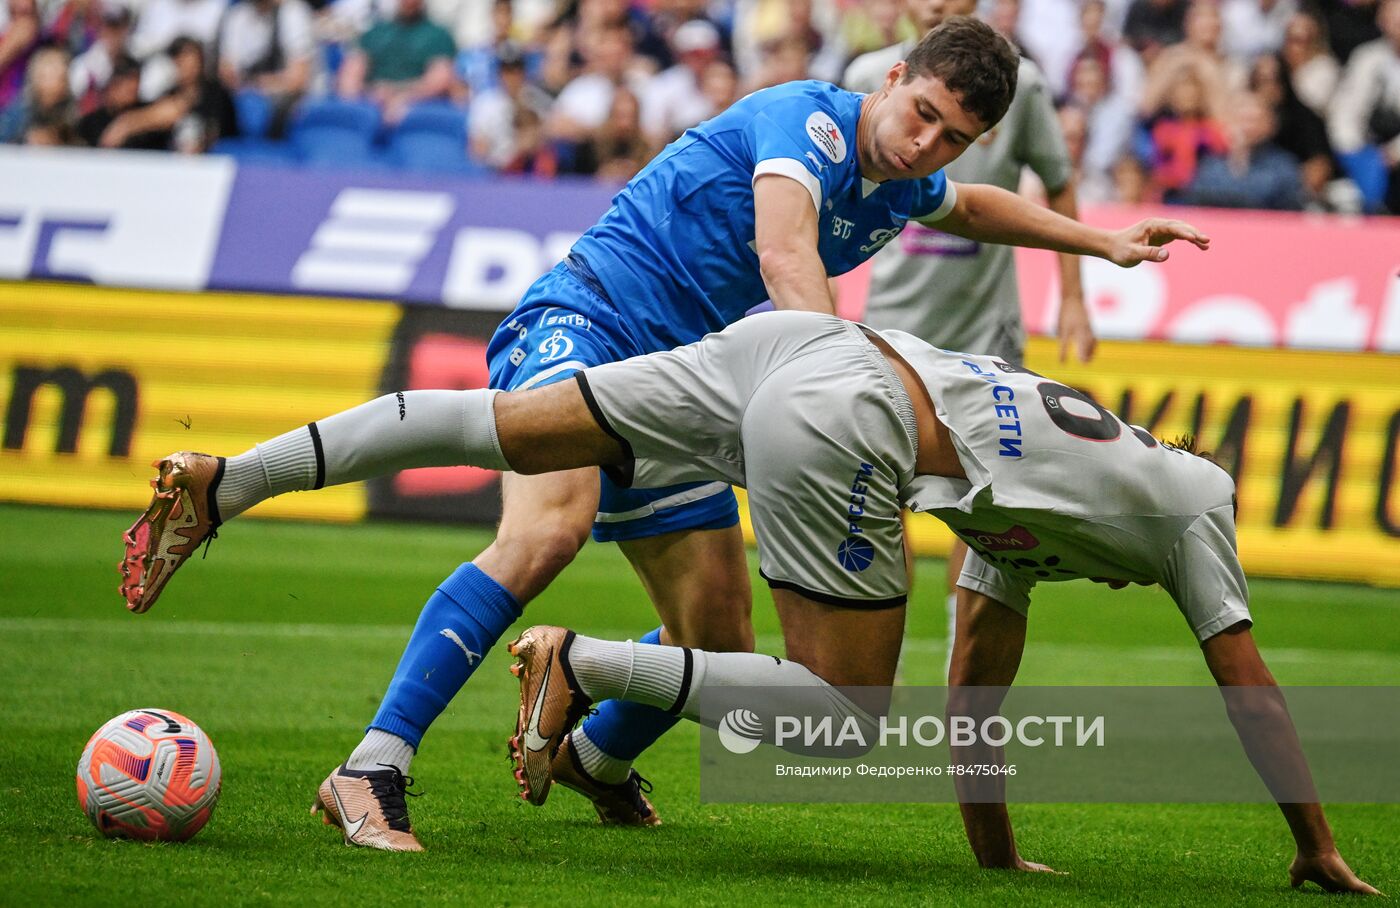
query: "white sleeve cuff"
793, 170
950, 198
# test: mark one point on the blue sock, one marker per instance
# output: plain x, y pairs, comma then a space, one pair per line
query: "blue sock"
461, 622
622, 729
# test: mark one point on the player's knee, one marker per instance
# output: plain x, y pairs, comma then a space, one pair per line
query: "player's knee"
734, 635
543, 548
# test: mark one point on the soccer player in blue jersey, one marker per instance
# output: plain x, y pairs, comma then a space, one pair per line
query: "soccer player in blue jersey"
787, 187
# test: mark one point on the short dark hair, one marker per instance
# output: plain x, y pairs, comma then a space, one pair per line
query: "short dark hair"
972, 60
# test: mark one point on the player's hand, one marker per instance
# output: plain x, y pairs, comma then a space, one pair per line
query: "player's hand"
1033, 867
1075, 331
1328, 871
1143, 241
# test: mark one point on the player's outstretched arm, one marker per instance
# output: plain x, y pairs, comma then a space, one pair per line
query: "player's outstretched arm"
990, 214
1260, 716
785, 237
986, 654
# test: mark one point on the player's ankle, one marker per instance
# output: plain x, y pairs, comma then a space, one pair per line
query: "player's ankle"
381, 749
598, 764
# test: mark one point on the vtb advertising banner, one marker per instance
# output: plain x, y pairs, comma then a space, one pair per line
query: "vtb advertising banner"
135, 220
96, 383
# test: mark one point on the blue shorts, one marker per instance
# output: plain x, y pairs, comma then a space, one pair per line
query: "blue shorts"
561, 326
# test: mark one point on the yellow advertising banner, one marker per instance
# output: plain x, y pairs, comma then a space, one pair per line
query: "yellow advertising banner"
97, 383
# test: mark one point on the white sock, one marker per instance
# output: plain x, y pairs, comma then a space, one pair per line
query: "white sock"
287, 463
380, 749
656, 675
639, 672
607, 769
391, 433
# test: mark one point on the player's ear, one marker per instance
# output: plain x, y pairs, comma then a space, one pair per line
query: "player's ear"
896, 73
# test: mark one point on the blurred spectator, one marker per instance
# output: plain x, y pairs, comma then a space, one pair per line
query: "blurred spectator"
673, 101
478, 65
668, 15
1154, 24
1050, 34
195, 113
400, 62
1312, 69
18, 38
584, 103
720, 85
46, 97
557, 61
618, 149
1132, 184
51, 130
1254, 172
760, 25
1005, 18
491, 118
1090, 188
781, 60
75, 25
1180, 135
877, 24
533, 153
1121, 64
1200, 52
1108, 119
1255, 27
162, 21
90, 71
120, 96
268, 46
1366, 107
1301, 133
1350, 24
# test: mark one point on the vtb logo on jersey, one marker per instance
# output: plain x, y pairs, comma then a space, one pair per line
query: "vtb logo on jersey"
556, 346
827, 135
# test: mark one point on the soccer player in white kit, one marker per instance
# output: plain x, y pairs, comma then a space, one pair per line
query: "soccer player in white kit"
833, 428
960, 294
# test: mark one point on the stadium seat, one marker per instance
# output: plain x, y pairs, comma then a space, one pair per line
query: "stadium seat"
255, 150
254, 113
1366, 167
333, 131
432, 137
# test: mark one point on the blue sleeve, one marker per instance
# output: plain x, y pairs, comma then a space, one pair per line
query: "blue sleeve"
799, 138
934, 197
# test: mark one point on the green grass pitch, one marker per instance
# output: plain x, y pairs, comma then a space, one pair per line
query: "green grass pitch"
281, 642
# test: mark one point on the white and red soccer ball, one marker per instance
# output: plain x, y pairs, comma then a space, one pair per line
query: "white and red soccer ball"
149, 774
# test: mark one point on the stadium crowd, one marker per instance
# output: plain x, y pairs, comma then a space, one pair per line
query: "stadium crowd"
1275, 104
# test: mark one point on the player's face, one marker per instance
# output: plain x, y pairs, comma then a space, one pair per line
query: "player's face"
917, 127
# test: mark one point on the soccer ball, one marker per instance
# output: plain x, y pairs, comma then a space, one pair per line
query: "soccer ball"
149, 774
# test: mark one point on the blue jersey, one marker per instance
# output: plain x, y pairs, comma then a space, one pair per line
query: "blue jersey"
675, 252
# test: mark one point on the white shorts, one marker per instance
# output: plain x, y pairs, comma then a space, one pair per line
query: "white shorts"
803, 411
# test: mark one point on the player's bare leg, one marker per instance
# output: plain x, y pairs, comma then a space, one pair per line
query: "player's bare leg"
847, 647
699, 581
956, 556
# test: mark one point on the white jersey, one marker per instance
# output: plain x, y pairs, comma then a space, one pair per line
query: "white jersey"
1060, 488
953, 292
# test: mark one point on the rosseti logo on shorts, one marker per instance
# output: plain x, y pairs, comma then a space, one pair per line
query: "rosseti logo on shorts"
855, 553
